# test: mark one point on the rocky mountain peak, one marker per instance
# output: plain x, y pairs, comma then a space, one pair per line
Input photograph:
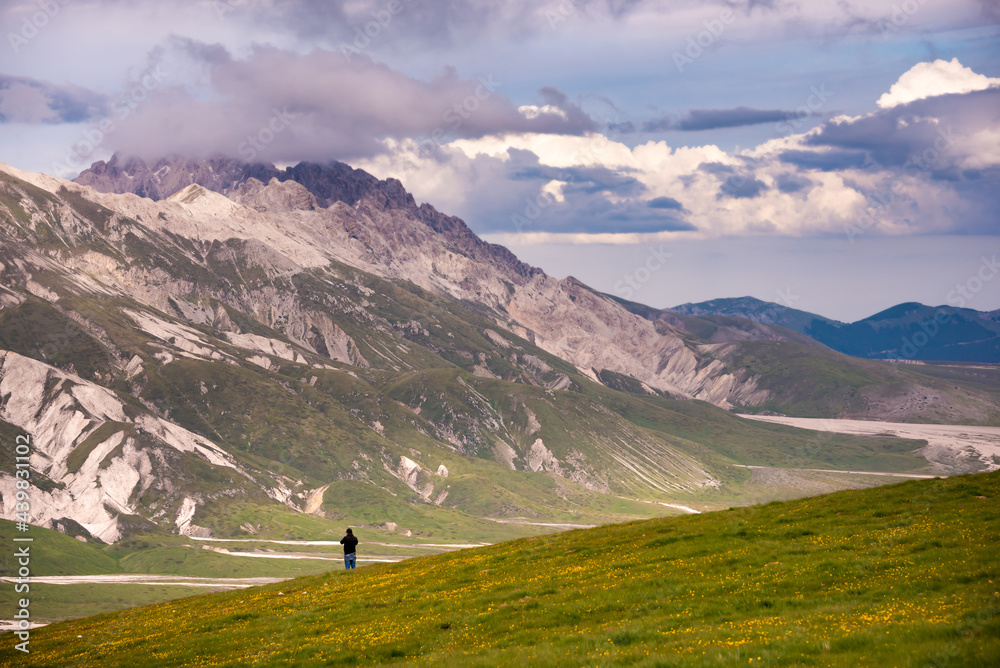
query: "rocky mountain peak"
275, 196
305, 186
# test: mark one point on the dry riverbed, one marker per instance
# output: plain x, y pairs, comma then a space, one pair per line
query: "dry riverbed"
950, 449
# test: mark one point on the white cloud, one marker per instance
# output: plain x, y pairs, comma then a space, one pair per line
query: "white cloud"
823, 182
532, 111
555, 190
941, 77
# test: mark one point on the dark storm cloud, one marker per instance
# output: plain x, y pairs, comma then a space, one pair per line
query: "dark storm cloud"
715, 119
742, 187
621, 128
895, 137
826, 161
26, 100
440, 21
791, 183
715, 168
598, 215
507, 196
586, 180
932, 139
979, 191
661, 124
665, 203
327, 106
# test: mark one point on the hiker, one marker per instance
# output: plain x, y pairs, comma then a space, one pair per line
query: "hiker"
349, 541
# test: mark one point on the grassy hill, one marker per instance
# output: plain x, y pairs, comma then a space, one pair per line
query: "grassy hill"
807, 382
897, 576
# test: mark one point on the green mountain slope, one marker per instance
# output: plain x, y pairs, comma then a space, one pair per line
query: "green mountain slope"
900, 575
807, 382
757, 310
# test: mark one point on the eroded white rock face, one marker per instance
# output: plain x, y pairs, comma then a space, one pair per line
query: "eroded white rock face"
62, 412
540, 458
265, 345
415, 476
184, 523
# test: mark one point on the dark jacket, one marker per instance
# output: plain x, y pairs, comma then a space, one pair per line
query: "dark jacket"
349, 542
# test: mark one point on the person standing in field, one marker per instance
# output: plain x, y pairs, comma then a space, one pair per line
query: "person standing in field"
350, 543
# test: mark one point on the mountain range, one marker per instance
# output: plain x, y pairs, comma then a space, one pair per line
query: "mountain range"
219, 348
909, 331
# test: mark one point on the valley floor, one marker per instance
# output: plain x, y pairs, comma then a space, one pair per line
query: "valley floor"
950, 449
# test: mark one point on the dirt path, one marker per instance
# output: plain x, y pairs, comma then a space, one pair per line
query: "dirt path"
686, 509
895, 475
521, 520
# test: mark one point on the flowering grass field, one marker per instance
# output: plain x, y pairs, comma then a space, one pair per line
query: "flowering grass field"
906, 575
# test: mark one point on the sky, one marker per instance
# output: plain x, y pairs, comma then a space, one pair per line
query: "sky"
837, 157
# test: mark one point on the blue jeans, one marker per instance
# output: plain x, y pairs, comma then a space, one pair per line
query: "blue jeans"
349, 561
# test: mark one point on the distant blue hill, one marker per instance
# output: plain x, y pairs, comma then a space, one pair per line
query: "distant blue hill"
906, 331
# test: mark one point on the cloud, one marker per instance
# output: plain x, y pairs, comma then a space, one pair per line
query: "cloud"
791, 183
940, 77
714, 119
424, 26
330, 106
926, 167
444, 23
591, 199
742, 187
665, 203
26, 100
934, 134
517, 193
826, 161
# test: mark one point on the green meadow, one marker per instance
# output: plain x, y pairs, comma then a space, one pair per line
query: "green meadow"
904, 575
